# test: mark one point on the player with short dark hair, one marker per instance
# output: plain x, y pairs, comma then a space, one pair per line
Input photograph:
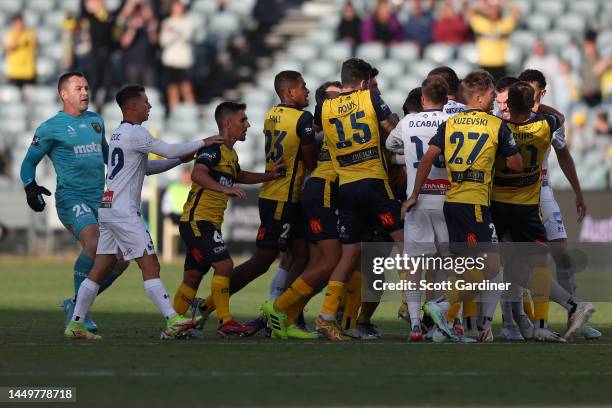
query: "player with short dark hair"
453, 105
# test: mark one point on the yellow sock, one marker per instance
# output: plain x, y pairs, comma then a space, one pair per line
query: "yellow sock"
182, 298
298, 289
470, 309
295, 309
528, 306
453, 312
472, 276
353, 301
540, 292
221, 295
332, 299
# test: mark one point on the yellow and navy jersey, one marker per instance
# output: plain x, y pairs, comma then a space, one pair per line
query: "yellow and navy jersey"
533, 139
286, 129
207, 205
470, 142
350, 127
325, 168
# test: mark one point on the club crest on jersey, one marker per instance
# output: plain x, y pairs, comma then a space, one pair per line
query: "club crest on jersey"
35, 141
96, 126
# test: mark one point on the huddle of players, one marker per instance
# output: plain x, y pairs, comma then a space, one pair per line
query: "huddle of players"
473, 180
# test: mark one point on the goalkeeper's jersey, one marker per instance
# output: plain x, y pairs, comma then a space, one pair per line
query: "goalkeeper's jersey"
77, 149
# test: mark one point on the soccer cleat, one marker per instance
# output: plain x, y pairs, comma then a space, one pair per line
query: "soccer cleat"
439, 318
526, 327
472, 333
438, 337
546, 335
589, 332
177, 326
511, 332
458, 328
68, 306
78, 331
232, 327
583, 312
330, 329
486, 336
296, 332
276, 320
416, 334
370, 332
258, 323
196, 311
429, 333
402, 312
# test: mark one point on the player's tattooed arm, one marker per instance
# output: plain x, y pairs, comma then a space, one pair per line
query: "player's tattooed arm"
566, 162
201, 176
248, 177
390, 123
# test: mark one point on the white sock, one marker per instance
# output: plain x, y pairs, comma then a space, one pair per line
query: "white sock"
489, 300
278, 284
85, 298
561, 296
567, 279
159, 296
413, 299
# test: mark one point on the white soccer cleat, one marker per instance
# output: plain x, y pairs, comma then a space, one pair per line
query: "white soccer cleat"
511, 332
472, 333
544, 334
486, 336
583, 312
589, 332
526, 327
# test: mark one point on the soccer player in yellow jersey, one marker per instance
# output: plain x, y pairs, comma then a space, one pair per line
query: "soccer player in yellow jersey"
470, 142
350, 127
214, 174
289, 137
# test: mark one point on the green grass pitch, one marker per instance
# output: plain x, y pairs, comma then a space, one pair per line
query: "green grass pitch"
131, 367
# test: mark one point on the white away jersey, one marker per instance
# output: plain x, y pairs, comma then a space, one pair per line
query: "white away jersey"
415, 130
558, 142
453, 107
128, 150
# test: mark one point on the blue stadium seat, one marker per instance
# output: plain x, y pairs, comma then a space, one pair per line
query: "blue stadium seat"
538, 22
338, 51
371, 52
551, 8
322, 68
586, 8
575, 24
439, 53
405, 52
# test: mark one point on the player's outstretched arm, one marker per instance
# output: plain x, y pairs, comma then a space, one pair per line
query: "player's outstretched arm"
566, 162
247, 177
33, 191
178, 150
200, 176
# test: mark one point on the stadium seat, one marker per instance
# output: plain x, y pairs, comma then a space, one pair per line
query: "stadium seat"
9, 94
303, 52
524, 5
514, 57
243, 9
586, 8
405, 52
551, 8
338, 52
46, 70
330, 21
184, 112
206, 7
200, 26
257, 97
371, 52
556, 40
184, 128
42, 6
538, 22
391, 68
575, 24
469, 53
224, 24
422, 68
288, 65
31, 18
604, 42
41, 112
70, 6
461, 67
46, 36
407, 83
12, 111
439, 53
321, 37
55, 19
395, 99
44, 95
54, 51
322, 69
11, 7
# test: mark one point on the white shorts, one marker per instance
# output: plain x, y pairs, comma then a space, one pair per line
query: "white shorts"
424, 232
128, 237
552, 220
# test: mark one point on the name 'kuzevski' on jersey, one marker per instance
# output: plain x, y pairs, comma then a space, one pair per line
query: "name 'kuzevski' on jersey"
350, 127
207, 205
414, 132
78, 150
470, 142
286, 129
533, 139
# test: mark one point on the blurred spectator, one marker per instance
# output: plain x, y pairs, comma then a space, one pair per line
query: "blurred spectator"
591, 93
565, 88
176, 195
603, 71
98, 23
601, 125
382, 25
139, 41
450, 27
267, 13
349, 29
20, 49
177, 54
544, 62
419, 27
492, 29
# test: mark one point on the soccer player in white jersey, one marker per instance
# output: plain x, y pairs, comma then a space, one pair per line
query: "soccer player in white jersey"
121, 227
425, 231
551, 214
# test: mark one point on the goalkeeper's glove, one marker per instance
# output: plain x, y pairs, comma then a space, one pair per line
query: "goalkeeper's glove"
34, 194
